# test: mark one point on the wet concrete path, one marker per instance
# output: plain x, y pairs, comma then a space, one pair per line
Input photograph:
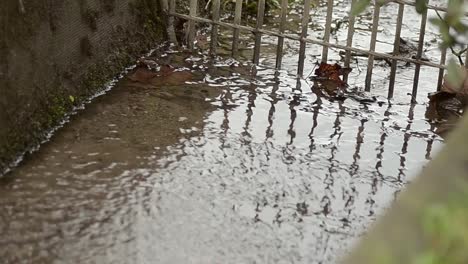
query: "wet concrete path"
206, 163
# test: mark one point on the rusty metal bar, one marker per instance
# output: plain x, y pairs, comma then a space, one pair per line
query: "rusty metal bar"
191, 24
279, 48
214, 30
326, 36
443, 59
305, 26
349, 40
396, 50
237, 21
375, 26
422, 32
258, 33
315, 41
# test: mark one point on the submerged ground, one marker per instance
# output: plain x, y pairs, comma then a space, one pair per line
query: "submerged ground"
215, 163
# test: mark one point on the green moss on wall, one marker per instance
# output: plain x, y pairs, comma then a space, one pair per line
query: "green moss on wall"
73, 85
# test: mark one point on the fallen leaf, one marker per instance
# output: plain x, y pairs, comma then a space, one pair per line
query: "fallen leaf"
445, 109
165, 76
327, 80
142, 74
172, 79
332, 72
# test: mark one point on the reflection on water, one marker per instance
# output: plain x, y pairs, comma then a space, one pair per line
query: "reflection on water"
307, 177
266, 172
229, 167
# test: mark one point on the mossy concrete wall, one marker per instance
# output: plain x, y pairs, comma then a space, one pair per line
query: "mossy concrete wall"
54, 54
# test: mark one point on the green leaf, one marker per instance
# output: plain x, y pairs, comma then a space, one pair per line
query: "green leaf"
359, 7
72, 99
455, 74
426, 258
455, 12
436, 21
421, 6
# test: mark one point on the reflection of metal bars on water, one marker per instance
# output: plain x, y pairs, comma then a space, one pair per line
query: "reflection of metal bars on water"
303, 38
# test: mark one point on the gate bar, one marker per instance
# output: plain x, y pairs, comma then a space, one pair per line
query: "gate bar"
326, 36
370, 63
315, 41
349, 40
191, 25
165, 5
214, 30
396, 50
417, 70
302, 39
443, 59
279, 49
235, 36
172, 9
258, 34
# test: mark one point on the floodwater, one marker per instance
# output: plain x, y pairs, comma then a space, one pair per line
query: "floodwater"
218, 163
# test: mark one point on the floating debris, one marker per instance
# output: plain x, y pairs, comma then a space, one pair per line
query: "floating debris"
448, 105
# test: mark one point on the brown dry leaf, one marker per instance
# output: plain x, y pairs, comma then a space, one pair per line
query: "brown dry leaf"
172, 79
332, 72
445, 109
166, 75
327, 80
142, 74
148, 63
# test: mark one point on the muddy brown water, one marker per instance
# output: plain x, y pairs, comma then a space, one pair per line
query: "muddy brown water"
215, 163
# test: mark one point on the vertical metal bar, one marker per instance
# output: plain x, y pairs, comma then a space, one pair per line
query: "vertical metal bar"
305, 26
349, 40
237, 21
375, 26
172, 6
214, 30
166, 7
417, 70
21, 6
396, 50
258, 35
326, 36
279, 48
191, 24
443, 59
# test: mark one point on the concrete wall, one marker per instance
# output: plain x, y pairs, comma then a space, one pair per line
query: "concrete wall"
52, 52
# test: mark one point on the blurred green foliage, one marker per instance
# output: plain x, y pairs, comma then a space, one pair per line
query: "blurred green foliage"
444, 227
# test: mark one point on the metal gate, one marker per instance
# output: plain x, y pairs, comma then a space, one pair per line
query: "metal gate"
169, 7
